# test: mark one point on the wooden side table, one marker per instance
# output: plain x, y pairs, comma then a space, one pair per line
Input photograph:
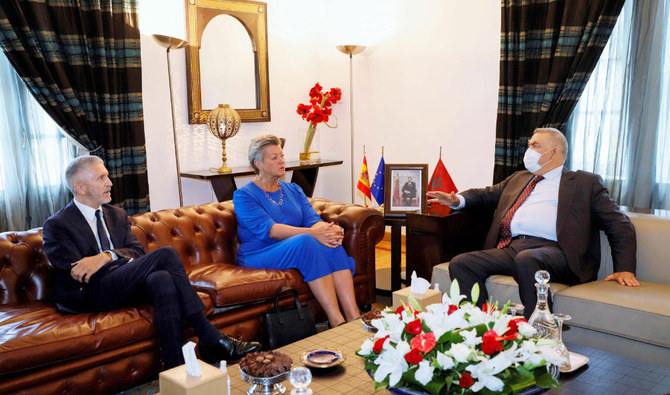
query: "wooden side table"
304, 174
396, 224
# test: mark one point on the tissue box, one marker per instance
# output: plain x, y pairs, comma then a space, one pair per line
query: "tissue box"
431, 296
176, 382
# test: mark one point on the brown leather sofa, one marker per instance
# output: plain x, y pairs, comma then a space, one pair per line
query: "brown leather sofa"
45, 352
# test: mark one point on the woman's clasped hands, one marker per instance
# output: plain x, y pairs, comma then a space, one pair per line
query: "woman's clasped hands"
328, 233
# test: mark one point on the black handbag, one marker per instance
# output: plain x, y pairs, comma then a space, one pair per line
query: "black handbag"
287, 326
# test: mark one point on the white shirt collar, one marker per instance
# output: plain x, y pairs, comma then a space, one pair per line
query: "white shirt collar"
87, 211
554, 174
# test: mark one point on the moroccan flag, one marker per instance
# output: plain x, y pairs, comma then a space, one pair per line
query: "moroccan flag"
377, 188
364, 181
441, 181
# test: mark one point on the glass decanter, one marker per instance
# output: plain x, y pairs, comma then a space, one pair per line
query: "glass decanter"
541, 319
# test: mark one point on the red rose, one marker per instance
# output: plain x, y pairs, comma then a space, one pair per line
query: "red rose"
379, 344
424, 343
414, 327
487, 308
399, 310
490, 343
452, 308
466, 380
413, 357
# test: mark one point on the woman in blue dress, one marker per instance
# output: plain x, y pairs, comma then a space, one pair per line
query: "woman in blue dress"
279, 229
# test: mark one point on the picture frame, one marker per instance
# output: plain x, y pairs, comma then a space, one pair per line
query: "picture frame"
405, 187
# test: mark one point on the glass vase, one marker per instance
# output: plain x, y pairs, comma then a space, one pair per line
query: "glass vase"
310, 143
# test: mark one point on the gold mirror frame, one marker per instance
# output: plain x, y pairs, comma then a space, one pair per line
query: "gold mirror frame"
252, 15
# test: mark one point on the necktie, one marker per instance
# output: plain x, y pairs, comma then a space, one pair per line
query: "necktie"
505, 234
102, 235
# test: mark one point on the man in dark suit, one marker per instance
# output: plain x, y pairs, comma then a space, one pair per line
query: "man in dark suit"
100, 266
408, 193
546, 218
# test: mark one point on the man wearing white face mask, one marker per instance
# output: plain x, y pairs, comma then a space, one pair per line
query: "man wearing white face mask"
546, 218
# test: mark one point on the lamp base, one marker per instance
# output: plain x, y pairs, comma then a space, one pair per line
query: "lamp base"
224, 169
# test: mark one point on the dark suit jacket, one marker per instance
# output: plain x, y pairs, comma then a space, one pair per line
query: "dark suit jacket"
68, 238
584, 207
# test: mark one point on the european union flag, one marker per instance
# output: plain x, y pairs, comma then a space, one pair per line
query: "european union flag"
377, 188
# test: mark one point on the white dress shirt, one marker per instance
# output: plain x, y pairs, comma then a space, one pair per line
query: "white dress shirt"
89, 214
537, 214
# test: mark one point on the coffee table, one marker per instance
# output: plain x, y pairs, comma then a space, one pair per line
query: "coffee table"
606, 373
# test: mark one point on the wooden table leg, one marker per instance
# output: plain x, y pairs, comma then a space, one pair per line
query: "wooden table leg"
223, 187
306, 179
396, 251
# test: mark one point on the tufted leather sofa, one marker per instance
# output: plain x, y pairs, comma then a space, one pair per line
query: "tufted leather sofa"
45, 352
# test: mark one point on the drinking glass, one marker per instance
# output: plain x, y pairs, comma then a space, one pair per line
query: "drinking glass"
514, 309
560, 347
300, 379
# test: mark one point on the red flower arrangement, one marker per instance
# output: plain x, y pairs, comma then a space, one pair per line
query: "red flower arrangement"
317, 111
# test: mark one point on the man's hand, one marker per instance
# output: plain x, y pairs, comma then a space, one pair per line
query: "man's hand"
83, 269
624, 278
328, 233
447, 199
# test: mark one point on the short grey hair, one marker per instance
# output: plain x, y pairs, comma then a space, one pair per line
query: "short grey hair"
558, 138
76, 166
257, 146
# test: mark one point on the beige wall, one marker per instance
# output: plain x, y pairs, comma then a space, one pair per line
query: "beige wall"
430, 79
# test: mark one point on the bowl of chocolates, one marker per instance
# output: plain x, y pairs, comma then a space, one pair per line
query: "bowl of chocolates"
265, 370
367, 318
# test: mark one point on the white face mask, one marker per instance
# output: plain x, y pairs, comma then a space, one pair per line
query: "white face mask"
531, 159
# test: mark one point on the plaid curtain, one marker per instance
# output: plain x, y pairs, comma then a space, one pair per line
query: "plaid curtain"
81, 60
548, 49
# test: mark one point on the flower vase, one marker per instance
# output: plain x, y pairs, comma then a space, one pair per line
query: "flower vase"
310, 148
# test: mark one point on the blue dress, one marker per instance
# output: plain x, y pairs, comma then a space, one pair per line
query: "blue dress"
256, 214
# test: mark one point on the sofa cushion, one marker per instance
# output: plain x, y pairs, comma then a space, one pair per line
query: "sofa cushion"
230, 285
35, 334
639, 313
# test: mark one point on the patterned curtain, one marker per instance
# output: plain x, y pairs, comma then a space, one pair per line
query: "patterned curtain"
81, 61
548, 49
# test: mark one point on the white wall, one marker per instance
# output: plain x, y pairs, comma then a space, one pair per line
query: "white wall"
431, 80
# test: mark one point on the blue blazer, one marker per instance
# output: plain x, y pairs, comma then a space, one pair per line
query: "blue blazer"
68, 238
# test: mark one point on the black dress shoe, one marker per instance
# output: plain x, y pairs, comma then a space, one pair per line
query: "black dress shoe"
227, 348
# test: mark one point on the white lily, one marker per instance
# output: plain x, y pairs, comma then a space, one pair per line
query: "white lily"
444, 362
550, 355
486, 370
392, 363
460, 352
389, 325
526, 329
454, 296
366, 347
470, 337
439, 322
425, 372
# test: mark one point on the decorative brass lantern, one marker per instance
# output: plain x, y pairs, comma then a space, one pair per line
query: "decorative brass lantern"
223, 122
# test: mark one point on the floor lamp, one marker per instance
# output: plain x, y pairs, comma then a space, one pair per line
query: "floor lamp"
169, 43
351, 50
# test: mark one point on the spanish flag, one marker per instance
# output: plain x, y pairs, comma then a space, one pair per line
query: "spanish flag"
364, 181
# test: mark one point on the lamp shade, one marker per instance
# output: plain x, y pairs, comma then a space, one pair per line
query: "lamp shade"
223, 123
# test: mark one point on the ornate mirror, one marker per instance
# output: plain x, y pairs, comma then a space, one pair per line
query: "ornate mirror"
227, 59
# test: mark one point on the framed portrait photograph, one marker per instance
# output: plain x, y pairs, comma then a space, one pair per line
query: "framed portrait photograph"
405, 187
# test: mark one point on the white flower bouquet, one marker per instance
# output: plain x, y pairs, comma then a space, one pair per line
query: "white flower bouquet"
454, 347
